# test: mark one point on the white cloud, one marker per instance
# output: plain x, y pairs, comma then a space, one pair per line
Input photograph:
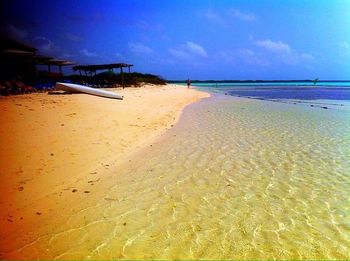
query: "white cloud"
73, 37
307, 57
88, 53
224, 18
272, 46
43, 44
16, 32
243, 56
119, 55
344, 45
283, 52
189, 49
295, 57
148, 26
245, 16
250, 57
196, 49
213, 16
180, 54
140, 48
67, 55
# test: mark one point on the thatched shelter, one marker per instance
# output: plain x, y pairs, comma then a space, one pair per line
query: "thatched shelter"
91, 69
19, 61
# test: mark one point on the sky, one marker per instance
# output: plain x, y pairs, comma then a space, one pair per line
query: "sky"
196, 39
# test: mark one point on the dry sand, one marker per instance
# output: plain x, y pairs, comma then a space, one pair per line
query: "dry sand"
55, 148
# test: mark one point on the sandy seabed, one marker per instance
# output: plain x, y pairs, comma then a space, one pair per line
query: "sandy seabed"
55, 149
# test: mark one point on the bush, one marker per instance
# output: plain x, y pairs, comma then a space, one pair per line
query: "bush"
109, 79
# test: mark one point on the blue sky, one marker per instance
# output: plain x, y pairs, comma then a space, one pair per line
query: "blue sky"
192, 39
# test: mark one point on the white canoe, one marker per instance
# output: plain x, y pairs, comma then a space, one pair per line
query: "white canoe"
70, 87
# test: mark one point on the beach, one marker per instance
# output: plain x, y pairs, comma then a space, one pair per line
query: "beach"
172, 130
55, 148
234, 178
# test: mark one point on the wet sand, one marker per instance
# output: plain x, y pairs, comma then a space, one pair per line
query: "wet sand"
56, 148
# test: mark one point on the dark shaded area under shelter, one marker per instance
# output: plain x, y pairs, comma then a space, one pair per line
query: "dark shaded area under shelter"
18, 68
20, 64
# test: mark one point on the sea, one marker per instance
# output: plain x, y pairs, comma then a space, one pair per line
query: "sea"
254, 172
323, 94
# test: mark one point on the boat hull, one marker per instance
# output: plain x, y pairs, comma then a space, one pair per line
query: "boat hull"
76, 88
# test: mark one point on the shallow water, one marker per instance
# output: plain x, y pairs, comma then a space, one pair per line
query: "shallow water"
234, 179
296, 93
277, 84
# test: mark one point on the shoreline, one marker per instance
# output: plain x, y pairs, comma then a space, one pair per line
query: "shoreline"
49, 155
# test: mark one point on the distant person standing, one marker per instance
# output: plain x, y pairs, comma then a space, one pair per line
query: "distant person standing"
188, 83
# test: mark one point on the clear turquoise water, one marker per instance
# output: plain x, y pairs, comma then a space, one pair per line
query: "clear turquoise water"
229, 84
325, 95
235, 179
296, 93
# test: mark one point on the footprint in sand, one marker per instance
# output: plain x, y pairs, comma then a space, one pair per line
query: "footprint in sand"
9, 219
92, 182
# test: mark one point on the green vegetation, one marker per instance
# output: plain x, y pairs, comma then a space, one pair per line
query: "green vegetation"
110, 79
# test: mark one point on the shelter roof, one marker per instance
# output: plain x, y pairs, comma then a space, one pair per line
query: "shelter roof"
40, 59
11, 44
101, 66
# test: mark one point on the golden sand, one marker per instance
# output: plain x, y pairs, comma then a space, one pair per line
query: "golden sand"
234, 179
55, 148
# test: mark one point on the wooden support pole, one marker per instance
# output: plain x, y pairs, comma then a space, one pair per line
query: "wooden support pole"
35, 72
60, 68
122, 76
129, 68
49, 68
